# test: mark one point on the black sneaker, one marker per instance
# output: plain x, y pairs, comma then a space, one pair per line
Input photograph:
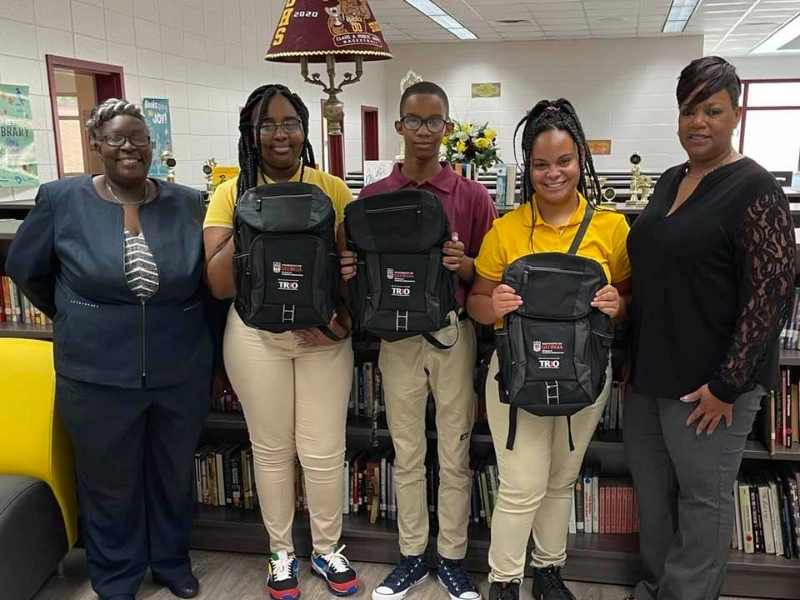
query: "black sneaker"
410, 571
335, 569
508, 590
453, 576
282, 581
548, 585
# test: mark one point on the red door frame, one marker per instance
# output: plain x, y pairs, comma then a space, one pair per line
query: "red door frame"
109, 79
370, 140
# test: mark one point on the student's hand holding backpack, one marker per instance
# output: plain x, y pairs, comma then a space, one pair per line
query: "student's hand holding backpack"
504, 300
315, 337
347, 261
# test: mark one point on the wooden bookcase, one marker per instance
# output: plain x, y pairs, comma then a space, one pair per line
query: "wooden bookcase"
597, 558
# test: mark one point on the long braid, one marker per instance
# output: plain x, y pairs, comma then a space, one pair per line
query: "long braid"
250, 158
560, 115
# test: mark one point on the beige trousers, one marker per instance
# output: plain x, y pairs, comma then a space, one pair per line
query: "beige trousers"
295, 402
411, 369
536, 479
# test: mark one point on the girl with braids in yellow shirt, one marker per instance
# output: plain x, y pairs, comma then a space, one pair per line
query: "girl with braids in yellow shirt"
537, 476
295, 386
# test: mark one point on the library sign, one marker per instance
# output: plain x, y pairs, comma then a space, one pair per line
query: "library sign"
17, 148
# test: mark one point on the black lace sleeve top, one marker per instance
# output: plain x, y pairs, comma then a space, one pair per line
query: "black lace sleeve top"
712, 284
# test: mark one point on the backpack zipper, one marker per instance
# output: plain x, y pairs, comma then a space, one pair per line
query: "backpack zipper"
394, 209
548, 270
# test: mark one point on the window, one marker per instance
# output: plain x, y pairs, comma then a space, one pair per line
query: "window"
770, 129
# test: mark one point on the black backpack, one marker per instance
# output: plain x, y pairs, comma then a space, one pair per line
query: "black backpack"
401, 289
285, 263
553, 350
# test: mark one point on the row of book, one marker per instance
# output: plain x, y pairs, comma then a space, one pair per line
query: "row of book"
790, 336
224, 475
768, 512
781, 413
366, 394
603, 504
16, 308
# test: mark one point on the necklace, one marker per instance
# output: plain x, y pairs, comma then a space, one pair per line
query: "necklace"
722, 164
118, 201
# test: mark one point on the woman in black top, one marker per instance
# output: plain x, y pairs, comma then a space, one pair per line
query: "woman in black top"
116, 261
713, 258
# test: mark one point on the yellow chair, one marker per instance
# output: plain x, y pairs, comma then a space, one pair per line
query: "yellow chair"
33, 440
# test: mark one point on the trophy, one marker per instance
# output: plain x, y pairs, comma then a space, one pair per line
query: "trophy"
208, 171
169, 161
607, 194
640, 184
406, 82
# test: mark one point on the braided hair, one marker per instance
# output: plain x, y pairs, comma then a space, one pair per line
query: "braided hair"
557, 115
250, 158
103, 113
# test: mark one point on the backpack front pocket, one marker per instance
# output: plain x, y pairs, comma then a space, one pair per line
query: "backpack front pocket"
404, 278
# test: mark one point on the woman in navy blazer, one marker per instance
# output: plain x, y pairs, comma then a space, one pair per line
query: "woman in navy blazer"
116, 261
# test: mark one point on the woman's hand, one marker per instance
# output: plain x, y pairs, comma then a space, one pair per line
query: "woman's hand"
505, 300
608, 301
710, 410
347, 262
314, 336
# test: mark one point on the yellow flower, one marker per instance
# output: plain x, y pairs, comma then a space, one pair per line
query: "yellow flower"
446, 140
490, 134
483, 143
461, 146
466, 127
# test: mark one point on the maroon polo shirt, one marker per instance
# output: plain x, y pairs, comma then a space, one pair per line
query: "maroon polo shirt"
468, 205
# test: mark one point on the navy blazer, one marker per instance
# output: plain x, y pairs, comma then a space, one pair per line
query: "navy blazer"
68, 259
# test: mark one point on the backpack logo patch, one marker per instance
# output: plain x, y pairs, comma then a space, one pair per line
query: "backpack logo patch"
549, 363
402, 292
288, 286
276, 267
389, 273
548, 347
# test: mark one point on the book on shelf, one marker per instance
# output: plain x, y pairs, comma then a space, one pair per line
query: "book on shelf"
603, 504
779, 418
767, 512
16, 308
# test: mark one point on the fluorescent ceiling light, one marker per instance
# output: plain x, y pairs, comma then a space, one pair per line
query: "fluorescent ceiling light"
435, 13
780, 38
680, 11
735, 25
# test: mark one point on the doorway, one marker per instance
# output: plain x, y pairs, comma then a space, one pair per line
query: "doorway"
370, 143
77, 86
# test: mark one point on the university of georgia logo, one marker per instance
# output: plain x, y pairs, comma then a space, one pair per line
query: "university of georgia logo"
276, 267
537, 346
389, 273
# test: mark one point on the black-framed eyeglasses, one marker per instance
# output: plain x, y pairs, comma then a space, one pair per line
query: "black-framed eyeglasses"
289, 126
434, 124
140, 140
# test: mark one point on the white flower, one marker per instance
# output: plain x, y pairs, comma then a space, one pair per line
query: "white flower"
460, 156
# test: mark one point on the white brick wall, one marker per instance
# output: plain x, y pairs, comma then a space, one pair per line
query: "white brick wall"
206, 56
623, 90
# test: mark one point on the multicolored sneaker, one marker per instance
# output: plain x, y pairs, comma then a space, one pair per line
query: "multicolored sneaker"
282, 581
335, 569
410, 571
453, 576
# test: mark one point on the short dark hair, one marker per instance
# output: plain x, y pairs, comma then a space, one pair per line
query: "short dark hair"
425, 87
712, 72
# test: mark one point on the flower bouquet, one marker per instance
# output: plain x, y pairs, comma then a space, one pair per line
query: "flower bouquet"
471, 144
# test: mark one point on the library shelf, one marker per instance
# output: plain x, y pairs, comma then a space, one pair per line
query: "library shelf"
26, 330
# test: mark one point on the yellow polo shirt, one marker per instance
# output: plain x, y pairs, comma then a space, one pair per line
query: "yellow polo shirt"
510, 238
220, 209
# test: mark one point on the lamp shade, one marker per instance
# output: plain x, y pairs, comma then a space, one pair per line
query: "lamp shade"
316, 29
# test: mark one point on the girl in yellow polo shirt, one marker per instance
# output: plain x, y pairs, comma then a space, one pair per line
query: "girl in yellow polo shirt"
294, 387
537, 476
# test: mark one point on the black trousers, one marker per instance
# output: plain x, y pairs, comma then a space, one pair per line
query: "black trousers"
684, 487
134, 453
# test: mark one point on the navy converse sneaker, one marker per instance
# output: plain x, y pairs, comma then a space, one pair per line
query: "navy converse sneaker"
410, 571
453, 576
282, 577
548, 585
505, 591
335, 569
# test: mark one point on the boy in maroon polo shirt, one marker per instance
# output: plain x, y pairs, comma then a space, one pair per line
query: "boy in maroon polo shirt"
412, 367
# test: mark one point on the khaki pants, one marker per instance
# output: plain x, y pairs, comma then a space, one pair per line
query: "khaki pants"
411, 369
295, 402
536, 480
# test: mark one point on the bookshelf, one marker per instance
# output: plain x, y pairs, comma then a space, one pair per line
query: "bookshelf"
600, 558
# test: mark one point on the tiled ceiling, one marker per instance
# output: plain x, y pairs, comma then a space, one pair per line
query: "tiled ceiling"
730, 27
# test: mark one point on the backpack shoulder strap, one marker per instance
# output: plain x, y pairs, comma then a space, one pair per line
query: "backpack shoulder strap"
587, 218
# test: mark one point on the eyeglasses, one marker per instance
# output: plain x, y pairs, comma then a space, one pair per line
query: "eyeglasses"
290, 126
434, 124
140, 140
